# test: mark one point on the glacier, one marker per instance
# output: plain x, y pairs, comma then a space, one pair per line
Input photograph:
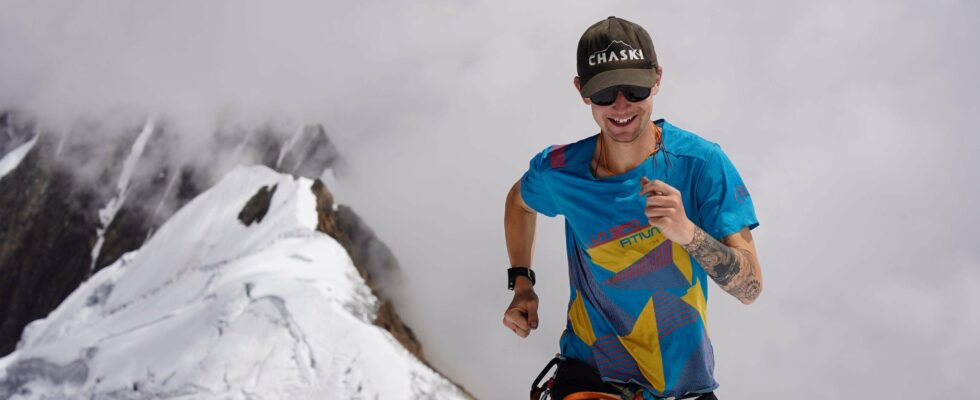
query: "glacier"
212, 308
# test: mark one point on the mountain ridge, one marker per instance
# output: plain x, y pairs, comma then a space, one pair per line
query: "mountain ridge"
61, 207
207, 294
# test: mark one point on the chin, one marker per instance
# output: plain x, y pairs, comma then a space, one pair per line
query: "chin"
623, 137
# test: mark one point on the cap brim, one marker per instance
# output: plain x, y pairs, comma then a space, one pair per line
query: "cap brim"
624, 76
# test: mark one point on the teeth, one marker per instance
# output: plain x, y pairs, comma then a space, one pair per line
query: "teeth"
622, 121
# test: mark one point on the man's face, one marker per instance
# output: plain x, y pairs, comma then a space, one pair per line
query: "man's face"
623, 121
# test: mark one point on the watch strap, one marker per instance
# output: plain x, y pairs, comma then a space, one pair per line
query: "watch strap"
514, 272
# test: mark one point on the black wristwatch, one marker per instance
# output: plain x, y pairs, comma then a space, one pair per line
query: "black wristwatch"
513, 273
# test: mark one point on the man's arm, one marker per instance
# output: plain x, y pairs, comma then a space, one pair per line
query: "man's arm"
519, 224
732, 263
521, 315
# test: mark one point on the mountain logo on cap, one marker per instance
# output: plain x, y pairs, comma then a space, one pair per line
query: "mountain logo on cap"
618, 50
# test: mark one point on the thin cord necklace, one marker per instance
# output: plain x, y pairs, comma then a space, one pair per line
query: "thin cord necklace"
601, 162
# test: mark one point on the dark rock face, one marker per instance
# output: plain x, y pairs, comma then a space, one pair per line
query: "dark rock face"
50, 223
308, 150
257, 206
49, 204
348, 229
325, 219
49, 220
378, 263
389, 320
46, 238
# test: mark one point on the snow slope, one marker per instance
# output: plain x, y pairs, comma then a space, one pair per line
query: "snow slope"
108, 213
12, 159
210, 308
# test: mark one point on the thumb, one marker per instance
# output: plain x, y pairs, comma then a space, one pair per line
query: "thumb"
532, 315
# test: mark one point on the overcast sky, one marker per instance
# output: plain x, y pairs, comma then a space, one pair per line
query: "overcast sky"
850, 122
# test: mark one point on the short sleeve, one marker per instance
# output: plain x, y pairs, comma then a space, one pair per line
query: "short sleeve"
724, 203
534, 185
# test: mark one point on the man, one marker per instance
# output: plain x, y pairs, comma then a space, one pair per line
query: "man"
651, 212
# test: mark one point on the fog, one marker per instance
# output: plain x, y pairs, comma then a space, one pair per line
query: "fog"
850, 123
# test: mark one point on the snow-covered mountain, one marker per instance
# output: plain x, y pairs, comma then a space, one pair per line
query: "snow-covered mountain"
128, 272
211, 307
75, 198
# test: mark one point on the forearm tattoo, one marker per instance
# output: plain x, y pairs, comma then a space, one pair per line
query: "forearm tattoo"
731, 268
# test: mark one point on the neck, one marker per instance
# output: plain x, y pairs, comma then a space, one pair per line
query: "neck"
612, 157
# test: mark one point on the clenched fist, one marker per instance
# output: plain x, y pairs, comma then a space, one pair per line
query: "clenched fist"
522, 313
665, 210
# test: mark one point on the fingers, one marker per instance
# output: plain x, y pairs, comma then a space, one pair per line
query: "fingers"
662, 186
657, 212
521, 316
660, 217
657, 187
661, 201
517, 317
516, 321
516, 329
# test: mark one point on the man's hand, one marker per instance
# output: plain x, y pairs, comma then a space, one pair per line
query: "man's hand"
522, 313
732, 264
665, 210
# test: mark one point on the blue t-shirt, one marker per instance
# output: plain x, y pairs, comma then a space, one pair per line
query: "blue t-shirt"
637, 311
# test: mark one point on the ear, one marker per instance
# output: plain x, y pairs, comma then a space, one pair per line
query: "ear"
578, 89
656, 86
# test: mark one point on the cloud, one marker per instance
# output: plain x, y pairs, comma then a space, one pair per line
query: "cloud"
851, 123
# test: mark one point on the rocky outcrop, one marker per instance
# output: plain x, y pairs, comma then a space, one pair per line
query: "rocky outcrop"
46, 238
257, 206
209, 308
374, 261
306, 152
389, 320
344, 227
50, 203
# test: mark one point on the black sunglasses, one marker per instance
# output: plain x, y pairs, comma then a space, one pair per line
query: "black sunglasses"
608, 95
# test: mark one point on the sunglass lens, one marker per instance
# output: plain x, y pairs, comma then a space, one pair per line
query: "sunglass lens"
636, 93
608, 95
605, 96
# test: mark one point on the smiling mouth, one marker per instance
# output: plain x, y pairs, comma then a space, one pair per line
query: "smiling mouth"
622, 121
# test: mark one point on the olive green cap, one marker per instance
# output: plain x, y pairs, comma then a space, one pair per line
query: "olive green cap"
613, 52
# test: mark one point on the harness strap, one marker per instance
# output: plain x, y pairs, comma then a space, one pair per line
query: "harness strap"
592, 396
